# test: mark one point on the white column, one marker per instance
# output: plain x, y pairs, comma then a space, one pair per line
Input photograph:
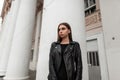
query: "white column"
2, 41
55, 12
33, 63
18, 64
3, 37
3, 32
8, 35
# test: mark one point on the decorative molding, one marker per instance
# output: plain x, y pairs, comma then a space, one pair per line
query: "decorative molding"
93, 18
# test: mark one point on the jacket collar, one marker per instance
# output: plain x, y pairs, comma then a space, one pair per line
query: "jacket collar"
71, 42
59, 47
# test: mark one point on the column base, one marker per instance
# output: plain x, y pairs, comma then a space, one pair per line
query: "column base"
17, 78
2, 72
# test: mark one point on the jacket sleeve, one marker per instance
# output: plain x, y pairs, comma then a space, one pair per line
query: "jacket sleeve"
52, 73
78, 63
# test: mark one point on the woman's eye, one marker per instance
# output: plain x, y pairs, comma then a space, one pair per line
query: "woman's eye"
63, 28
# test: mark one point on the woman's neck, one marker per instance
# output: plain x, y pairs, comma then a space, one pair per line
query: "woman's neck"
65, 41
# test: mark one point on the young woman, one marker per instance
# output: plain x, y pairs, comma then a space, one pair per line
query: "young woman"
65, 62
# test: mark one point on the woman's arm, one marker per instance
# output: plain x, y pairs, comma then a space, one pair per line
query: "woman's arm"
52, 73
78, 62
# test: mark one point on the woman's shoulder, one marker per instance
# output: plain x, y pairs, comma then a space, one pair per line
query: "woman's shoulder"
54, 43
72, 42
75, 42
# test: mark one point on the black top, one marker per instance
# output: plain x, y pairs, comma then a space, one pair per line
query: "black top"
62, 75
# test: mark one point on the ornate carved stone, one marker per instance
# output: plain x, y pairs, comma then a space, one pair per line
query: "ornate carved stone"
93, 21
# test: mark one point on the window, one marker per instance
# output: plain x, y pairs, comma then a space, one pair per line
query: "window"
90, 7
93, 58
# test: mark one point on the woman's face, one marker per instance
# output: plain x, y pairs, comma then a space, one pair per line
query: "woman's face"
63, 31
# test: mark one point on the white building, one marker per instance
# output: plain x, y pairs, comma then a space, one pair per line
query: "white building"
30, 26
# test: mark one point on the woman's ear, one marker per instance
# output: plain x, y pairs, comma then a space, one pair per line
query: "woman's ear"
68, 31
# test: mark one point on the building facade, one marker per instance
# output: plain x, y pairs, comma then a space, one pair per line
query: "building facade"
28, 28
96, 56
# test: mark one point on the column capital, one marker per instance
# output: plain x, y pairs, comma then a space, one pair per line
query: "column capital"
6, 8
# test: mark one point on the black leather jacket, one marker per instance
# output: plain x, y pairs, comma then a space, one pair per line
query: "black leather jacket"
72, 59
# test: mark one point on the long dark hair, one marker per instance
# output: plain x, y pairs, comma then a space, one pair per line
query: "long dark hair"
59, 39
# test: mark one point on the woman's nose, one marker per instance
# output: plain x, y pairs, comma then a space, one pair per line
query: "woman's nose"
60, 31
